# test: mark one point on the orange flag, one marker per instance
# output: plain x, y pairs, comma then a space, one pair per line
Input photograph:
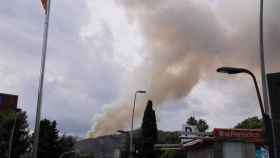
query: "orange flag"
45, 5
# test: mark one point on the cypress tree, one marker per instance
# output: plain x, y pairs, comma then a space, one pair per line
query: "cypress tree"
149, 131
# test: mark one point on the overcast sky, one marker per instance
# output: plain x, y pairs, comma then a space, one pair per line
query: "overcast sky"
101, 51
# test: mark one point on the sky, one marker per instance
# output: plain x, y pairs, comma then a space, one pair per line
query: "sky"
101, 51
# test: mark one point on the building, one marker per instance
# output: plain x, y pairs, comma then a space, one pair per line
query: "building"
221, 143
8, 101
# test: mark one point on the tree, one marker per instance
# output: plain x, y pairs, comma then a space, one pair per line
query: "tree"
21, 139
250, 123
201, 124
172, 154
50, 144
192, 121
66, 143
169, 137
168, 154
149, 131
48, 139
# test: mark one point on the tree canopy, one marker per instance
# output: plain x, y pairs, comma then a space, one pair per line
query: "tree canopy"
200, 124
192, 121
149, 131
21, 140
250, 123
50, 143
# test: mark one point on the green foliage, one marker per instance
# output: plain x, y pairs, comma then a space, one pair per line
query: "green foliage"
168, 154
169, 137
250, 123
200, 124
149, 131
66, 143
192, 121
21, 138
50, 144
172, 154
48, 139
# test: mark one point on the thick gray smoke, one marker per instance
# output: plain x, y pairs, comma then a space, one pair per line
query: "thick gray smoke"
185, 40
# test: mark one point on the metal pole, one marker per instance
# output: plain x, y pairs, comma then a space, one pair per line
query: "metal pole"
12, 136
131, 130
263, 70
264, 81
41, 84
266, 119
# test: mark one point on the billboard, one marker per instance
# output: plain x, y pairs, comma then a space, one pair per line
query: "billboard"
8, 102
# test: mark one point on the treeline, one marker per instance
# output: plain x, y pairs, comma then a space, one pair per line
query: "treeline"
51, 143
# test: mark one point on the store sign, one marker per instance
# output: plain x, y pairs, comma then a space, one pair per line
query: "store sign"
250, 135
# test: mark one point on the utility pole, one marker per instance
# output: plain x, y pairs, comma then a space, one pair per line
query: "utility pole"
265, 83
47, 7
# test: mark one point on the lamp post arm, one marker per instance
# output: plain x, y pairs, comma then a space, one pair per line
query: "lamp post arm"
258, 92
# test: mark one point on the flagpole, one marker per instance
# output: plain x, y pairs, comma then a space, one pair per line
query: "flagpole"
41, 83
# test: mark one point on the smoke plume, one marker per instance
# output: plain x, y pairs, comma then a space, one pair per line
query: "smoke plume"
185, 41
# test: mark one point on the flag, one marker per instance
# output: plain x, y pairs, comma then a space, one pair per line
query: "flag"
45, 5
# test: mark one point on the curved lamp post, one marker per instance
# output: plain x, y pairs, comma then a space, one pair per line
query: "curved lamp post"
231, 70
266, 118
132, 120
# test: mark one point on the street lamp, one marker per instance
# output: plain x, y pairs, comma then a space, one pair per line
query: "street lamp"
132, 120
12, 133
122, 132
232, 70
266, 118
126, 134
